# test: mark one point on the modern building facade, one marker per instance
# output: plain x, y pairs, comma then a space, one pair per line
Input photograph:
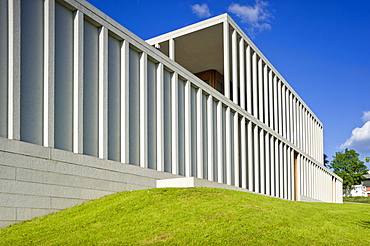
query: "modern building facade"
88, 109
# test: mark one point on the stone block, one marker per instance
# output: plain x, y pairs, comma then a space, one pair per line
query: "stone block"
23, 161
7, 213
64, 203
24, 201
30, 213
80, 170
24, 148
7, 172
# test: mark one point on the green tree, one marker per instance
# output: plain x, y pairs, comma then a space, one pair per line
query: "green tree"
349, 167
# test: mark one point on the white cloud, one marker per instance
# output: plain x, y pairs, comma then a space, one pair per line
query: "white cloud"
366, 116
257, 16
360, 138
202, 11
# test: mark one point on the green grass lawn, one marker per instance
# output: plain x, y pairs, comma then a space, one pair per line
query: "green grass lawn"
359, 199
196, 216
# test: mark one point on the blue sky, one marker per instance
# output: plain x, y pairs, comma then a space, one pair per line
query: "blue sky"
322, 48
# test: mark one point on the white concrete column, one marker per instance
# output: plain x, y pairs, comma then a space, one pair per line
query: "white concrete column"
280, 110
285, 173
254, 78
301, 126
14, 69
281, 171
289, 173
210, 138
317, 144
322, 142
262, 161
243, 153
250, 162
220, 140
256, 161
125, 101
266, 95
188, 146
304, 176
325, 182
287, 112
311, 179
144, 110
160, 118
103, 93
277, 168
291, 119
276, 112
268, 164
299, 129
49, 44
315, 180
304, 129
200, 133
234, 66
314, 139
272, 166
309, 134
175, 123
294, 115
78, 83
4, 67
271, 100
172, 49
302, 171
260, 90
283, 107
242, 73
226, 58
228, 146
249, 79
319, 182
236, 150
298, 180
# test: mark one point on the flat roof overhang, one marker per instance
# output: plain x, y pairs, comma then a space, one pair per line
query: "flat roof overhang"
197, 47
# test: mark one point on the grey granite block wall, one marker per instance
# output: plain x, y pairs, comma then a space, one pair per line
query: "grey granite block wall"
36, 181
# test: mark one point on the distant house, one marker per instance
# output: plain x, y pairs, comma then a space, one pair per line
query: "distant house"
366, 183
358, 190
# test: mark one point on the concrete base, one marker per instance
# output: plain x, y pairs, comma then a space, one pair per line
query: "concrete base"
308, 199
195, 182
36, 181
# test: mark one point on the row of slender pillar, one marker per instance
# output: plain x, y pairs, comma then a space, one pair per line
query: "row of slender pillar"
315, 177
266, 95
80, 84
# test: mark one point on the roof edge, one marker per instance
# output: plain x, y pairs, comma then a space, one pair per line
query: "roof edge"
189, 29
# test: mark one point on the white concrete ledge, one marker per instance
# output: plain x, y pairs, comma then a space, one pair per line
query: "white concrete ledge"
189, 182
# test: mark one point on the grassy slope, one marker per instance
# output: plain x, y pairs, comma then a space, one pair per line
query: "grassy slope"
196, 216
359, 199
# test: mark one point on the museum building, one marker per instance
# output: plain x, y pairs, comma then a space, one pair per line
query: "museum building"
88, 109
